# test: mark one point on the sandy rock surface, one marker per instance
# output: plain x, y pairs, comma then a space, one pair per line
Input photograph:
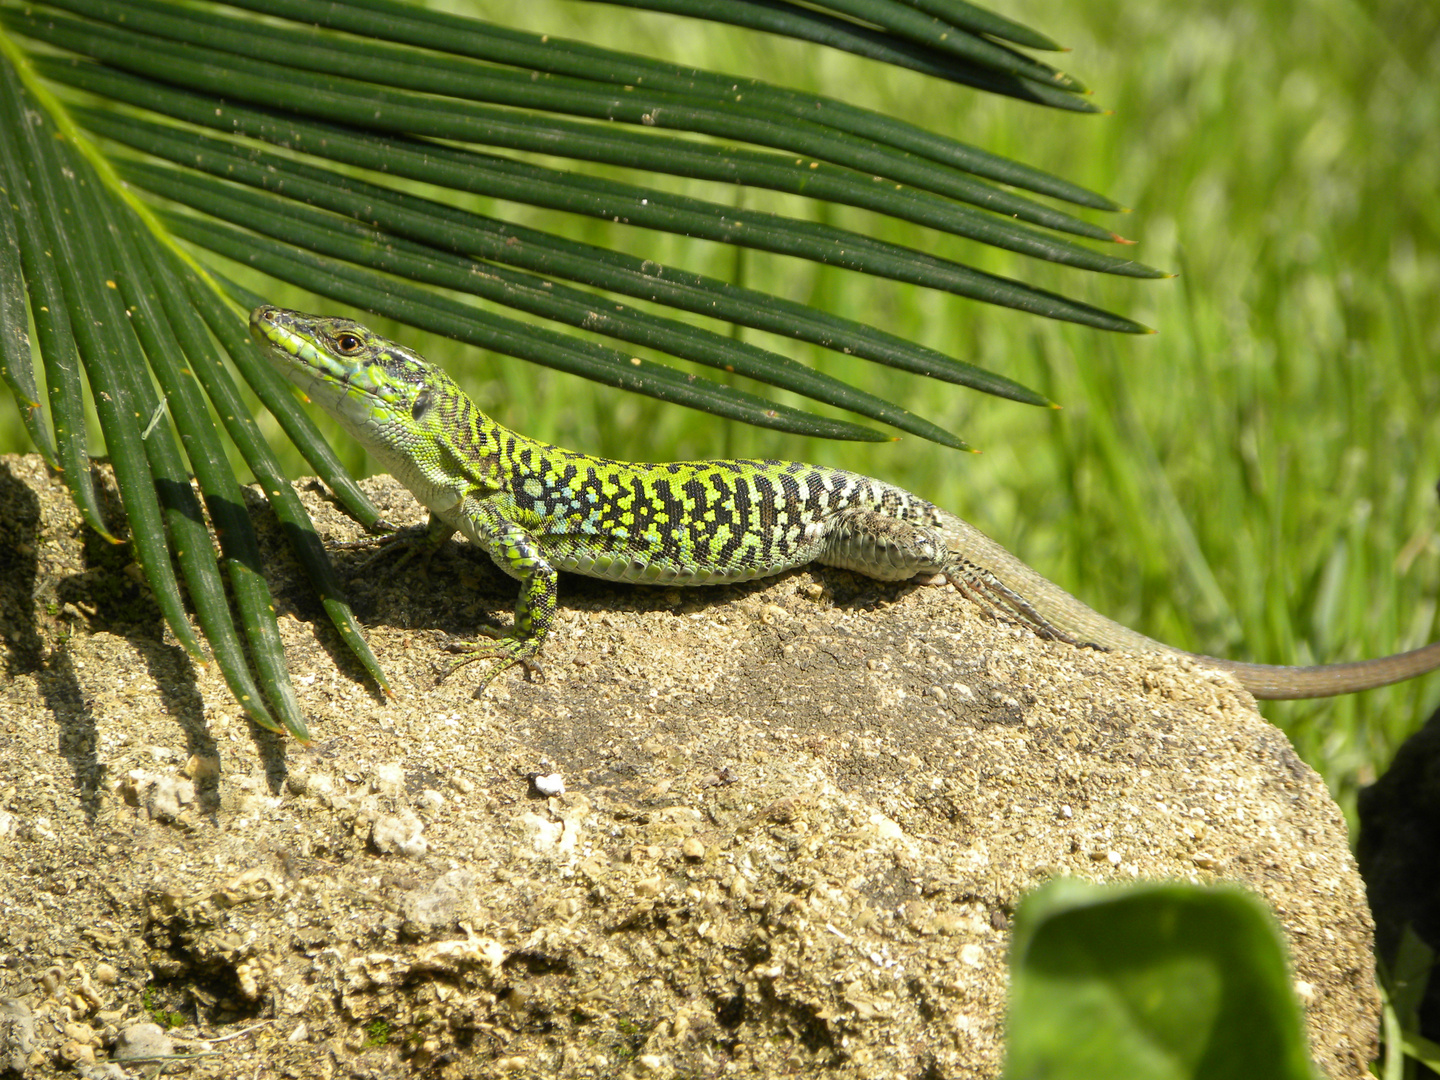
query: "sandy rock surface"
751, 831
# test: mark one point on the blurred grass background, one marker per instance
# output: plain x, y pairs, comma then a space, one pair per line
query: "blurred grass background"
1257, 480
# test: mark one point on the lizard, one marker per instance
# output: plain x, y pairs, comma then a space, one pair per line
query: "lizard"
537, 509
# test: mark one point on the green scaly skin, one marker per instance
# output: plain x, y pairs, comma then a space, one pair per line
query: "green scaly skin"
537, 509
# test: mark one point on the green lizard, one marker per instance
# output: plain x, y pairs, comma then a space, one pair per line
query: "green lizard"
536, 509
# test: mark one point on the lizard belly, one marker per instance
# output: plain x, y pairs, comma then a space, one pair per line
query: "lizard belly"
618, 560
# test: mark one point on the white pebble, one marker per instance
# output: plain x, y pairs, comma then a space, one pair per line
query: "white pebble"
549, 785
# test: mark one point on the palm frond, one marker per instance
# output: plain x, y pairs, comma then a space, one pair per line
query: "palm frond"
144, 142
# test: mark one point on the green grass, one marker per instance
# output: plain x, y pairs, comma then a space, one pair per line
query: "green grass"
1257, 480
166, 1018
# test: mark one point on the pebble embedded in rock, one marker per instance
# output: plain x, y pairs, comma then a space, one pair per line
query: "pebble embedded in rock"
163, 796
202, 767
17, 1034
140, 1041
389, 779
432, 908
461, 783
75, 1053
399, 836
548, 784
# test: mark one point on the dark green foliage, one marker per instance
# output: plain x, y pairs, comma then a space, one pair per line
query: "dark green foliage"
1160, 982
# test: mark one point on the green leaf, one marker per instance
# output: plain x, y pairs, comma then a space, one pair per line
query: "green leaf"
281, 57
16, 368
613, 201
50, 313
1153, 982
65, 183
548, 55
981, 21
933, 48
452, 230
419, 307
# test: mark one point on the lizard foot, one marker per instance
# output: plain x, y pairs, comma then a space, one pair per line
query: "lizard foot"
509, 651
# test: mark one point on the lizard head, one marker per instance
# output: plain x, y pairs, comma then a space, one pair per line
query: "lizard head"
365, 381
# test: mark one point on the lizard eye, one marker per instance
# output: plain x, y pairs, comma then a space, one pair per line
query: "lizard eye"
347, 343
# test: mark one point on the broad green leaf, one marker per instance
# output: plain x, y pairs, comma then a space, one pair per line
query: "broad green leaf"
1151, 982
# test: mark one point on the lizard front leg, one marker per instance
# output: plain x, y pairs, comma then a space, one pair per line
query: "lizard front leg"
516, 552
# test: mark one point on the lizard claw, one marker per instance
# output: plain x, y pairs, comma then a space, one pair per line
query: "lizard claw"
509, 651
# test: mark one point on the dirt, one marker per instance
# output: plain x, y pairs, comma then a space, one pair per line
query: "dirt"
778, 829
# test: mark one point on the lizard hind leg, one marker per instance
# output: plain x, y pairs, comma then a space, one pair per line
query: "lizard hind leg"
893, 549
985, 589
887, 548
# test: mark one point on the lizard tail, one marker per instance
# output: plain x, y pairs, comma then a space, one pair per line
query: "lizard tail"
988, 572
1277, 682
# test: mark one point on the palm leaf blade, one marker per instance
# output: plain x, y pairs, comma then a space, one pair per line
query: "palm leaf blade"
433, 224
163, 350
466, 170
62, 182
421, 308
51, 317
15, 364
441, 31
351, 242
243, 432
983, 21
1014, 78
206, 43
902, 20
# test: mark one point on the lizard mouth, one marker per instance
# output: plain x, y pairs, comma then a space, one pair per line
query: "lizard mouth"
297, 353
317, 371
271, 328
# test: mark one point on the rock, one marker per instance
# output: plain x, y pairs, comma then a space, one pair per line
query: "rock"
162, 795
76, 1054
778, 850
547, 785
389, 779
439, 906
141, 1042
17, 1035
399, 835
